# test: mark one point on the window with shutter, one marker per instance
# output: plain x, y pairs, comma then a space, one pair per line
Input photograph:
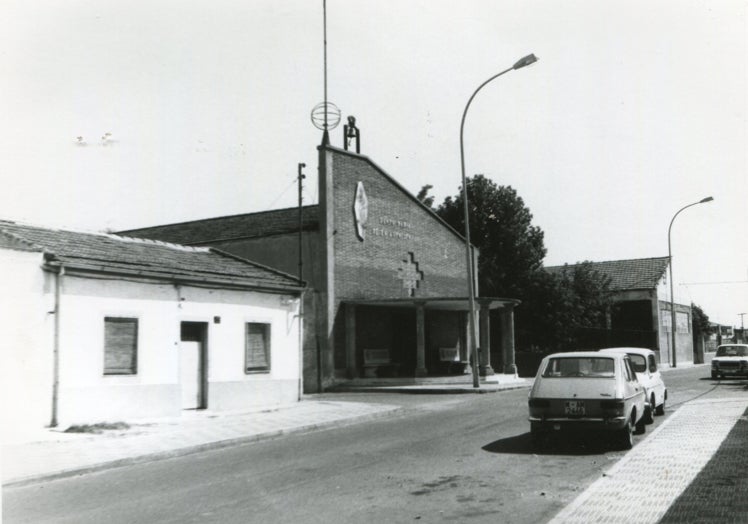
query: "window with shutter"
120, 346
257, 353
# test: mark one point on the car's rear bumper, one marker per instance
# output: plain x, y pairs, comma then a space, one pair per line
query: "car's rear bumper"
577, 424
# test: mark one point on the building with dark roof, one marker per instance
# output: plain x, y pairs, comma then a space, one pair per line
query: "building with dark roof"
104, 327
387, 276
641, 312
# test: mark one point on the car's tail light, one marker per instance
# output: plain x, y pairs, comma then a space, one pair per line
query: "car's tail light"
539, 403
612, 406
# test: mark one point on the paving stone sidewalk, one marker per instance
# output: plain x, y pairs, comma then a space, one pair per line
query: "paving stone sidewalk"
659, 479
54, 454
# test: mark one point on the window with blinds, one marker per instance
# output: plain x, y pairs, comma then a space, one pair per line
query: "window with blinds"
257, 352
120, 346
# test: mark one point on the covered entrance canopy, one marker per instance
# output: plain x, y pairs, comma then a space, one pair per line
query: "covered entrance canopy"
382, 335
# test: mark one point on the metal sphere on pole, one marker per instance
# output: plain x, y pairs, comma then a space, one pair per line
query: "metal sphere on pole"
670, 259
529, 59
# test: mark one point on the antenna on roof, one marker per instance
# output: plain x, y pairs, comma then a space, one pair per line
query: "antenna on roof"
325, 115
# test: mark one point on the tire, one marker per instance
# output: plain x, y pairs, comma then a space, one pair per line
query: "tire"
641, 426
661, 408
714, 375
626, 436
537, 437
649, 411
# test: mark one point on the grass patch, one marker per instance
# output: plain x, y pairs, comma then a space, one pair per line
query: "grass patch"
97, 428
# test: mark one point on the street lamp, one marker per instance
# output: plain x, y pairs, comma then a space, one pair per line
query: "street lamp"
529, 59
670, 258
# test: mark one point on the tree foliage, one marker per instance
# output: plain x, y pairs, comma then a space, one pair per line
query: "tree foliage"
424, 197
558, 306
554, 305
511, 248
700, 321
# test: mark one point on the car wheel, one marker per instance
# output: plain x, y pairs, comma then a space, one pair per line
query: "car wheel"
641, 426
626, 436
537, 437
649, 411
714, 375
661, 408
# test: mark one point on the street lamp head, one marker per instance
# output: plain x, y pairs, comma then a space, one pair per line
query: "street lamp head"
704, 200
526, 61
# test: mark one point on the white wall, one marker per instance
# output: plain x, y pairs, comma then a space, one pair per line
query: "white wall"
86, 395
26, 344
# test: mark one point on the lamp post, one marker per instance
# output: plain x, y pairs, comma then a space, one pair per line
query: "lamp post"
529, 59
670, 259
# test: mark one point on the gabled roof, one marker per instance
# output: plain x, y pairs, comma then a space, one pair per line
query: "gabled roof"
639, 273
250, 225
115, 254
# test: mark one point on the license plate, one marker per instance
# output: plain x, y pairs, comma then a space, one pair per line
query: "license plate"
574, 407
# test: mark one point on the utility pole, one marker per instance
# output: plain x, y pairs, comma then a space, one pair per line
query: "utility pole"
300, 178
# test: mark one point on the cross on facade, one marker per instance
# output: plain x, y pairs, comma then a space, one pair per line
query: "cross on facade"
409, 274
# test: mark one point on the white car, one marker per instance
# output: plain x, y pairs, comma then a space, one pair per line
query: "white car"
586, 391
645, 364
731, 360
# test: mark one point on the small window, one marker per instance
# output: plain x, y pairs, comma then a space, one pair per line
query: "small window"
120, 346
257, 351
638, 362
652, 364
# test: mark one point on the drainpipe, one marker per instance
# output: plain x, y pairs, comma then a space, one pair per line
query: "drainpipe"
56, 350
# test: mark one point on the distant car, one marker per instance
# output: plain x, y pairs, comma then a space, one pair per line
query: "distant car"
587, 391
644, 362
730, 360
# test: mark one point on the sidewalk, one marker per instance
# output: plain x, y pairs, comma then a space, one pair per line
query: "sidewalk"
49, 454
700, 448
54, 453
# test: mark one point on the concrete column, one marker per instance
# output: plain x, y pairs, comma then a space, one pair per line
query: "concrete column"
507, 339
350, 341
485, 368
421, 370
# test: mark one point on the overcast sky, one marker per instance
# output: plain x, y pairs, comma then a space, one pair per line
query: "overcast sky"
634, 110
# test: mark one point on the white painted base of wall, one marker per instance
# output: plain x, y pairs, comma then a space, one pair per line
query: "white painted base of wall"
118, 403
249, 395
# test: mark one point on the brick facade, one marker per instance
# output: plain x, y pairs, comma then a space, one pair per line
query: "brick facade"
407, 252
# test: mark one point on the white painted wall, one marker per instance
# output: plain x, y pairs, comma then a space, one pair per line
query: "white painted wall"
86, 395
26, 344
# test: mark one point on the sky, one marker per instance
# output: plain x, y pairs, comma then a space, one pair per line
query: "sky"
194, 109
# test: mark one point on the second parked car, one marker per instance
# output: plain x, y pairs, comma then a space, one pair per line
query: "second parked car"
644, 362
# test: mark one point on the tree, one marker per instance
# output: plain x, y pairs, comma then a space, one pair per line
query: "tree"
556, 308
424, 197
511, 248
564, 310
700, 321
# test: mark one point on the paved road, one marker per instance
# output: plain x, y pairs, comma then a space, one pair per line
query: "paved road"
463, 458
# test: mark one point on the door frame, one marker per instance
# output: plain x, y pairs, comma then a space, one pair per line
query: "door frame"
200, 334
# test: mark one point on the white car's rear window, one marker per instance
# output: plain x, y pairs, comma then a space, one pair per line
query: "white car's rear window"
566, 367
732, 351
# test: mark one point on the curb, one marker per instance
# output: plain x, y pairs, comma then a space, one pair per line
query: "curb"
199, 448
428, 390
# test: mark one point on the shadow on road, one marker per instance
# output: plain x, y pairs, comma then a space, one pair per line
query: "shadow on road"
560, 444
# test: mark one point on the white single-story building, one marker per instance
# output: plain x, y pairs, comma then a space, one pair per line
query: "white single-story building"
100, 327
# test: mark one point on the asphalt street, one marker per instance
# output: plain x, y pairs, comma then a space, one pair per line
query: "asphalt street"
445, 458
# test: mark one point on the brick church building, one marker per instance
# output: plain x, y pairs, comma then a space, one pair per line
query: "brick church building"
387, 280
